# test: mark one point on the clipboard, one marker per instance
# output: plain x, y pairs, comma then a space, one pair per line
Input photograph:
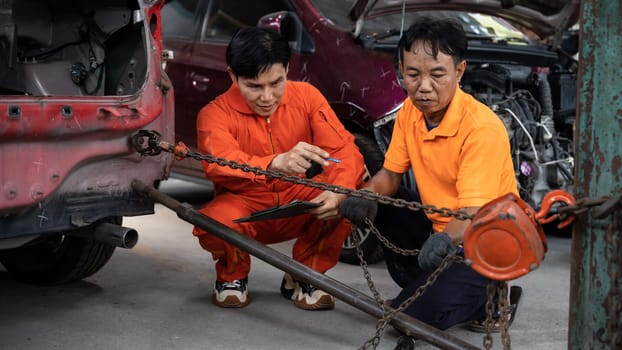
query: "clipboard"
293, 208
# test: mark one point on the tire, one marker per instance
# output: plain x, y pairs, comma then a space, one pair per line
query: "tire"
59, 259
372, 249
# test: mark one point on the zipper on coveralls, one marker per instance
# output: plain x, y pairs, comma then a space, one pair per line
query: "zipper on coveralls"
278, 200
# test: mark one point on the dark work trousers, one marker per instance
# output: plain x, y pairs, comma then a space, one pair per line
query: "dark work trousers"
459, 293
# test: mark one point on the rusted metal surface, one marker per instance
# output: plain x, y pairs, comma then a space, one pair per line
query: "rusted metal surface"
595, 320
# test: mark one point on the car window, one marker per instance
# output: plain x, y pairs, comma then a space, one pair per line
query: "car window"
224, 17
179, 19
336, 11
389, 27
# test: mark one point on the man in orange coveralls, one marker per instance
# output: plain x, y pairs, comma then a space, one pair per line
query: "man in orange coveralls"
266, 121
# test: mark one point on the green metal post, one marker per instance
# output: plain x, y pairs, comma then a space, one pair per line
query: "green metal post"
595, 320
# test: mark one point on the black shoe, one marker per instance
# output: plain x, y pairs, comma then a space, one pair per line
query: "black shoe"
405, 343
289, 286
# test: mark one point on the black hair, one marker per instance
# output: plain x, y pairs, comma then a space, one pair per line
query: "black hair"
444, 35
254, 50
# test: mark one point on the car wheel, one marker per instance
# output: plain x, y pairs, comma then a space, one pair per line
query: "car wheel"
372, 250
60, 258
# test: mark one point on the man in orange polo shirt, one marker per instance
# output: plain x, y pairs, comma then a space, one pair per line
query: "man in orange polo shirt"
460, 154
266, 121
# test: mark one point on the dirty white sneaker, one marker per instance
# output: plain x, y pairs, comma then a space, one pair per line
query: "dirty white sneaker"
231, 294
308, 297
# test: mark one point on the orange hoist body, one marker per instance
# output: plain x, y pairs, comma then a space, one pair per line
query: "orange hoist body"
504, 240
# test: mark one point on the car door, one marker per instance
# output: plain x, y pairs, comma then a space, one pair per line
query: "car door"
181, 22
198, 32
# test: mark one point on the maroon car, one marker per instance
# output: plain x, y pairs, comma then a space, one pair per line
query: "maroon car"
78, 79
518, 63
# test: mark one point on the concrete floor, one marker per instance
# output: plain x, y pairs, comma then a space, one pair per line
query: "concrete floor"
157, 296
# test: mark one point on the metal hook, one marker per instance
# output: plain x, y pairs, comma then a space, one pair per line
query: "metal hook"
551, 198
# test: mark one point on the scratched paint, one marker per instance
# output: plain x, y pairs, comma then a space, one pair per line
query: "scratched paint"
596, 281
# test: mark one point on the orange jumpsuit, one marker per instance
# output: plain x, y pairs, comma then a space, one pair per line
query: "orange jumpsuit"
228, 128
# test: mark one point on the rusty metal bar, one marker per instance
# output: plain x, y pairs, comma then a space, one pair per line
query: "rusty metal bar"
595, 318
339, 290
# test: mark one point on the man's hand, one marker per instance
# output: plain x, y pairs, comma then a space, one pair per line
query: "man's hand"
434, 251
357, 209
330, 205
298, 159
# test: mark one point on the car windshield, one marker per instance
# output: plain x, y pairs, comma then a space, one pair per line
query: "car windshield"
389, 27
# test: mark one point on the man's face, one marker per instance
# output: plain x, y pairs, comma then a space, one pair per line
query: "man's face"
430, 82
263, 94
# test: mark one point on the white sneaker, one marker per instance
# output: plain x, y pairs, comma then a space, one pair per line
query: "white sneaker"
231, 294
308, 297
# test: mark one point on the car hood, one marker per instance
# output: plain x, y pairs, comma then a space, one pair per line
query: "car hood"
543, 17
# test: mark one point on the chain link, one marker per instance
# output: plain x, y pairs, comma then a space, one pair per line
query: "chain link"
154, 146
364, 266
388, 312
490, 310
504, 314
581, 206
387, 243
149, 143
397, 202
500, 290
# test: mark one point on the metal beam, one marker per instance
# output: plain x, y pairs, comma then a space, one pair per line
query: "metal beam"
339, 290
595, 320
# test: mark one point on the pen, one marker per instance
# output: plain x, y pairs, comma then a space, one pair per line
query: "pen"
334, 160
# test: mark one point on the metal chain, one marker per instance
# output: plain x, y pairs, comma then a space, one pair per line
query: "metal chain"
366, 273
500, 290
504, 314
387, 243
155, 143
603, 206
490, 310
389, 313
581, 206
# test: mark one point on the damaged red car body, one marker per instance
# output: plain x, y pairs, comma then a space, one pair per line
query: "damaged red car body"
77, 80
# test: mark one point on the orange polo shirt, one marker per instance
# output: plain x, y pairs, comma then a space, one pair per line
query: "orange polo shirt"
227, 127
464, 162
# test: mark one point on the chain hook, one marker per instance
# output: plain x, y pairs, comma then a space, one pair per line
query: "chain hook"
545, 216
146, 142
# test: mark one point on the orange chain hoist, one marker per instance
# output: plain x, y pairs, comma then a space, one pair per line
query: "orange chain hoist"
505, 239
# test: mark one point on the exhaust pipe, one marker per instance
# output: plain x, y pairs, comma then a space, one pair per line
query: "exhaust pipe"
119, 236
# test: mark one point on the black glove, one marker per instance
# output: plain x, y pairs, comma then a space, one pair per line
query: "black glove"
357, 209
434, 251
